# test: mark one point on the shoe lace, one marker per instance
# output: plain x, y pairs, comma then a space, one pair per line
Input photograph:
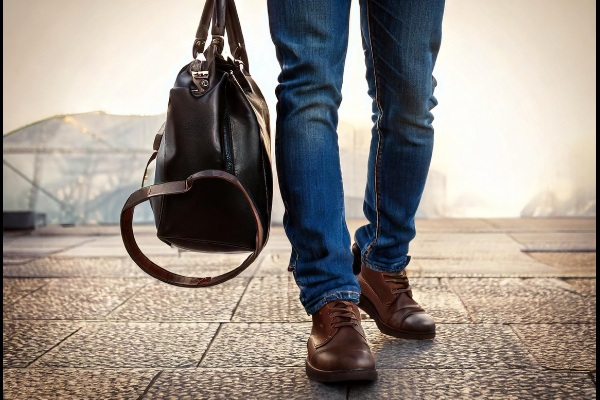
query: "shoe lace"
398, 282
342, 315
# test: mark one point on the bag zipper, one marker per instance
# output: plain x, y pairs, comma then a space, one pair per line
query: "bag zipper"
227, 145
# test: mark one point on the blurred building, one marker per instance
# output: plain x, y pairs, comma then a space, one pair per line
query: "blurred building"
77, 169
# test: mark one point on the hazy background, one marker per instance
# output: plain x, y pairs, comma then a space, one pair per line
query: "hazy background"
515, 125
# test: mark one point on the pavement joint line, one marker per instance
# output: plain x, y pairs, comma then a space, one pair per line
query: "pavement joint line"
26, 292
209, 345
532, 357
150, 384
32, 363
532, 249
126, 300
538, 250
533, 230
16, 300
241, 297
453, 290
50, 254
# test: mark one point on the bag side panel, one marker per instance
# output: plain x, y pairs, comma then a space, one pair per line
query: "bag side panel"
251, 145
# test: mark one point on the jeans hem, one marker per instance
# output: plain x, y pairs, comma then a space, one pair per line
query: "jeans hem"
344, 295
394, 267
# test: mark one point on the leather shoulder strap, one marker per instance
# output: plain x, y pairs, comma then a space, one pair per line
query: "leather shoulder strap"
175, 188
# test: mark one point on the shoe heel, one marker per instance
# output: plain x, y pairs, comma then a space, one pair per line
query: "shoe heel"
368, 307
356, 262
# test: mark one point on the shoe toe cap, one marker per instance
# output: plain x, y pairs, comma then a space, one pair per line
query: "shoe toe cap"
344, 360
419, 323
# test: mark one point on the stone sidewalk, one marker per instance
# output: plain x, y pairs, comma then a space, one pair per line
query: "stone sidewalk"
514, 299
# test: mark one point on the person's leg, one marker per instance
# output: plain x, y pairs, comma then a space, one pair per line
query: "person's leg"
311, 39
401, 39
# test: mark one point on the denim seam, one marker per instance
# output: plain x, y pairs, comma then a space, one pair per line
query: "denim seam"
380, 268
295, 262
378, 154
324, 300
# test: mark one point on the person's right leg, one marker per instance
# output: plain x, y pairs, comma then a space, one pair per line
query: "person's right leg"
311, 39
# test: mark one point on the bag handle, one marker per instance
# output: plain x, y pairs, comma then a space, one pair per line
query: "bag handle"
173, 188
223, 10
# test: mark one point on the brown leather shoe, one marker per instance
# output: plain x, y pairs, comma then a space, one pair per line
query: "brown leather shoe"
337, 347
387, 298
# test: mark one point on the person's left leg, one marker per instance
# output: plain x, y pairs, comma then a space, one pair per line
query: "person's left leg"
401, 39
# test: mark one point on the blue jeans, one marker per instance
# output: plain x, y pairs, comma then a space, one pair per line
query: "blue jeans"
401, 39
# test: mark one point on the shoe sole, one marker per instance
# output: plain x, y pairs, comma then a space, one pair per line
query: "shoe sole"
320, 375
370, 309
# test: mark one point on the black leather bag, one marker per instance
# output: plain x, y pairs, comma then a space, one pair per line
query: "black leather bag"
213, 180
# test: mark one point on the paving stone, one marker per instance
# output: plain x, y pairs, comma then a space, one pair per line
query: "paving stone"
557, 241
274, 264
518, 266
569, 263
210, 264
23, 285
455, 346
76, 384
24, 341
471, 246
132, 345
112, 246
16, 260
463, 361
566, 259
475, 384
32, 246
15, 289
471, 225
30, 252
258, 345
116, 251
44, 242
585, 287
72, 267
238, 383
543, 224
271, 299
74, 299
91, 230
277, 240
437, 298
159, 301
561, 346
424, 225
524, 301
10, 235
